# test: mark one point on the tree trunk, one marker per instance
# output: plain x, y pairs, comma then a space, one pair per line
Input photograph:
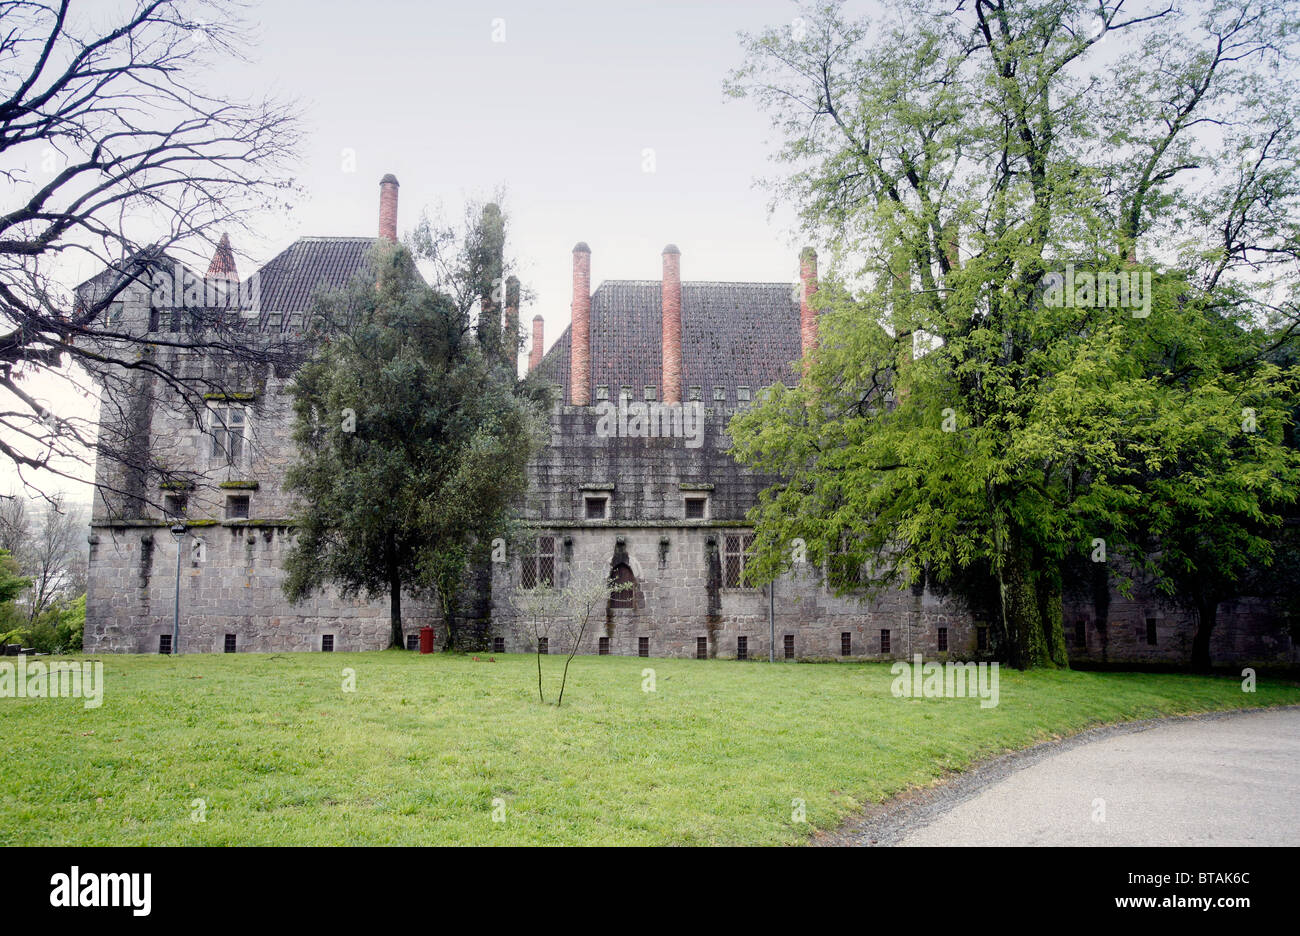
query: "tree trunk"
395, 609
1207, 613
1028, 644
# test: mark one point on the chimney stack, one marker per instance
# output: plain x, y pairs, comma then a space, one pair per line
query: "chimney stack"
388, 208
223, 262
672, 325
580, 335
510, 344
535, 352
807, 314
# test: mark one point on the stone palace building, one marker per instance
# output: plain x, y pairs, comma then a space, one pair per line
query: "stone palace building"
661, 508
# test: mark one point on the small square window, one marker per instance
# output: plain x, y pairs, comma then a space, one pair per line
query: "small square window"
327, 643
596, 508
742, 394
701, 648
651, 394
176, 504
544, 645
695, 394
604, 646
625, 393
498, 645
1151, 631
412, 641
884, 641
643, 646
165, 643
846, 643
602, 391
230, 643
943, 640
695, 507
742, 648
237, 507
789, 646
719, 394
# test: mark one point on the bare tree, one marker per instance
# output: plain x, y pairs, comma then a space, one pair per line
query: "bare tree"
15, 526
538, 609
117, 159
584, 596
51, 555
569, 610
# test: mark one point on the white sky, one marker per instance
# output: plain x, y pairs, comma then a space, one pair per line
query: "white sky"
559, 113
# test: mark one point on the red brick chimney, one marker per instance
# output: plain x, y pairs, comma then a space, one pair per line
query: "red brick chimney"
535, 352
580, 336
510, 344
223, 261
807, 314
388, 207
672, 325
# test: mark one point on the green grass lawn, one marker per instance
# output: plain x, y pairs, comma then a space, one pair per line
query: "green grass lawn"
418, 753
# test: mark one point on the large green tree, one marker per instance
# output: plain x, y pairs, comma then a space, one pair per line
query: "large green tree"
412, 443
968, 415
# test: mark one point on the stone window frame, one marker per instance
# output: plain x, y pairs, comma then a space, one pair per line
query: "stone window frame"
885, 641
176, 505
218, 428
326, 643
736, 552
695, 395
719, 394
742, 394
602, 391
589, 499
232, 502
701, 496
537, 568
625, 393
651, 393
846, 643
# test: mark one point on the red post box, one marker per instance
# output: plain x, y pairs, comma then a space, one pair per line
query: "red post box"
426, 640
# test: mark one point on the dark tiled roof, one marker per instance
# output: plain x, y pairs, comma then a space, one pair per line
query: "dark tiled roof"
733, 335
310, 263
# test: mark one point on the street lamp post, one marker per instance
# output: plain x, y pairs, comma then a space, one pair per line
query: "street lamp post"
178, 531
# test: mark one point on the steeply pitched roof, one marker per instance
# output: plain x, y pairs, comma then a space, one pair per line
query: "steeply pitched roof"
327, 263
223, 260
733, 335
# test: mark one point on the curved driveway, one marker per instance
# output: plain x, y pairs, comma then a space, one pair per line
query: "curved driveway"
1216, 781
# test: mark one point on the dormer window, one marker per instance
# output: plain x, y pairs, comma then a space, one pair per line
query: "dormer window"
695, 394
625, 394
719, 394
651, 394
602, 391
742, 394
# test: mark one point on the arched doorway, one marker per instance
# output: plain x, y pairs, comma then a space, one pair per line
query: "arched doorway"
624, 598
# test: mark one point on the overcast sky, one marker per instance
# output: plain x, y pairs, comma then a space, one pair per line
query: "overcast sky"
558, 101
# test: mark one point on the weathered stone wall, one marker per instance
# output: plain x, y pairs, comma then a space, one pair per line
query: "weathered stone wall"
231, 584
